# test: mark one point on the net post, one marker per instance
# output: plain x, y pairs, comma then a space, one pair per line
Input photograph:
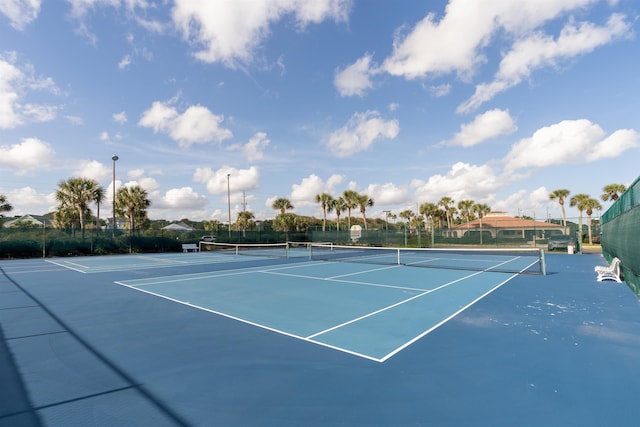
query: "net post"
398, 251
543, 265
237, 249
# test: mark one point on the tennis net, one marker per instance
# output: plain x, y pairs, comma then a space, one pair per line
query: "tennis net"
275, 250
504, 260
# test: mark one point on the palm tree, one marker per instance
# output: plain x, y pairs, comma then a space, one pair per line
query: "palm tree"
282, 204
5, 206
211, 225
285, 222
429, 211
132, 202
561, 195
364, 202
64, 216
78, 193
447, 205
612, 191
339, 205
589, 205
407, 214
98, 199
465, 207
350, 198
579, 202
481, 209
325, 202
245, 220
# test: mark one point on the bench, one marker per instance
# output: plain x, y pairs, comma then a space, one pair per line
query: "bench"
190, 247
609, 272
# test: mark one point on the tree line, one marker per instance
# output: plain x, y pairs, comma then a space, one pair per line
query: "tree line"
76, 194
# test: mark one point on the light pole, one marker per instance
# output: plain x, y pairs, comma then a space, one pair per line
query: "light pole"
386, 218
229, 204
114, 158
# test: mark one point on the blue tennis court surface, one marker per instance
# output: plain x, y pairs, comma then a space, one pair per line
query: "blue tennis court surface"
207, 339
369, 311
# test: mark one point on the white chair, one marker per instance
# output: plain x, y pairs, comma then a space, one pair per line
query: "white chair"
609, 272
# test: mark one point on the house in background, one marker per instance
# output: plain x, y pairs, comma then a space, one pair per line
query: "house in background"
29, 221
499, 225
120, 223
178, 226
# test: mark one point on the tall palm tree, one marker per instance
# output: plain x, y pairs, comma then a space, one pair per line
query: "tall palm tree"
325, 202
364, 202
282, 204
447, 205
481, 209
99, 196
579, 202
465, 207
561, 195
351, 201
132, 202
429, 211
589, 205
612, 191
338, 205
78, 193
5, 206
245, 220
407, 214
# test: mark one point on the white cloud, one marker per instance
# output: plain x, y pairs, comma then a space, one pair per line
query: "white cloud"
93, 169
539, 50
27, 200
135, 173
362, 130
15, 85
120, 117
254, 149
20, 12
124, 62
435, 47
387, 194
304, 194
216, 181
31, 154
182, 198
230, 32
614, 145
440, 90
524, 203
354, 79
569, 141
196, 125
9, 75
462, 181
485, 126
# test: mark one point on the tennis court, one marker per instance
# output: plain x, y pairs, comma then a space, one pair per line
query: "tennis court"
205, 338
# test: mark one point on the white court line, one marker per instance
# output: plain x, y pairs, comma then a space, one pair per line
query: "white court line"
373, 313
65, 266
312, 338
332, 279
248, 322
442, 322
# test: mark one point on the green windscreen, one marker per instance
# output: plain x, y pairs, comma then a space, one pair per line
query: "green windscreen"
621, 234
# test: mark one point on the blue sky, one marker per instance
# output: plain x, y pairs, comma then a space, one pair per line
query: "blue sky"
406, 101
